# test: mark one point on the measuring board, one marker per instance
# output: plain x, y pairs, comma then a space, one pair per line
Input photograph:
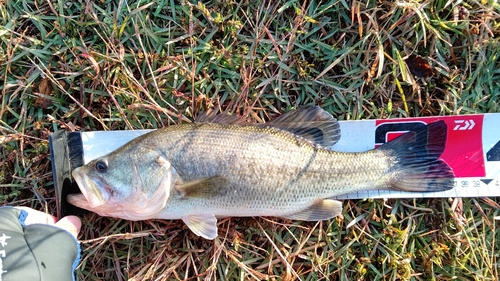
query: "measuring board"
472, 151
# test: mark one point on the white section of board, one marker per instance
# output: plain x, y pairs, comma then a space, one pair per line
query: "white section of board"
356, 136
100, 143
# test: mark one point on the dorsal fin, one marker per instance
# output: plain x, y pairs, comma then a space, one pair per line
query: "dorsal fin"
221, 118
311, 123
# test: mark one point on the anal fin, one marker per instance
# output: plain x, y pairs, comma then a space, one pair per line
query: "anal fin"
323, 209
202, 225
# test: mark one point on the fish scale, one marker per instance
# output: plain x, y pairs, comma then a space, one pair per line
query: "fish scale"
289, 164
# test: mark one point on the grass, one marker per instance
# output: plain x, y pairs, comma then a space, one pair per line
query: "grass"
109, 65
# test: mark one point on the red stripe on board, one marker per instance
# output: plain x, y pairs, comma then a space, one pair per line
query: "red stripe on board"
464, 149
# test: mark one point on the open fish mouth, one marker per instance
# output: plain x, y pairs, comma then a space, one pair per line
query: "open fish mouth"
94, 193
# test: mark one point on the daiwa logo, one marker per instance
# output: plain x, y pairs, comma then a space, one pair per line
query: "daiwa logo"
462, 125
3, 254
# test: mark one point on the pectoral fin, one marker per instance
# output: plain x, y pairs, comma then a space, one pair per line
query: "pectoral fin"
202, 225
323, 209
204, 188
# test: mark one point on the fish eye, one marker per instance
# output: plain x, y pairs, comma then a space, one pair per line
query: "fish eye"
101, 166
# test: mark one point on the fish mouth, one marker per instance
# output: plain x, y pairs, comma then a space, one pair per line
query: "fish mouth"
93, 191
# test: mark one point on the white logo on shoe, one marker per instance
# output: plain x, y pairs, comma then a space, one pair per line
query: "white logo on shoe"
3, 239
3, 254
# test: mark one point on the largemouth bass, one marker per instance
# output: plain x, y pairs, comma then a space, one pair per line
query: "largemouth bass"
218, 168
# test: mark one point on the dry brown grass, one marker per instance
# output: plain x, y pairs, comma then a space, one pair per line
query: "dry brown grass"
110, 65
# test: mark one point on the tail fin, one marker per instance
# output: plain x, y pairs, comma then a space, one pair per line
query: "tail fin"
418, 167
